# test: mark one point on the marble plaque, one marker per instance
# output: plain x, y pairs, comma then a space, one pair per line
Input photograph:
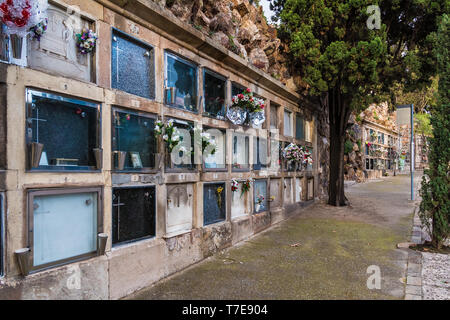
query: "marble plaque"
179, 208
57, 51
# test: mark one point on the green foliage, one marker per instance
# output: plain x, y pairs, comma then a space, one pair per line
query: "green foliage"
350, 66
358, 118
375, 115
435, 192
348, 147
423, 124
359, 145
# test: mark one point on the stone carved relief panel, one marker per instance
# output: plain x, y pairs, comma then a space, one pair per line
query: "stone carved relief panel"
240, 205
57, 51
288, 192
179, 208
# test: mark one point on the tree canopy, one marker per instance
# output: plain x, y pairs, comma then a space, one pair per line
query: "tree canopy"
354, 53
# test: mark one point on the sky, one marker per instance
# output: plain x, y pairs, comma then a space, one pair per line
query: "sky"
265, 4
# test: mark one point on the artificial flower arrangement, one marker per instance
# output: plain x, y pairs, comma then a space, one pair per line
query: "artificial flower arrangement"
307, 156
39, 29
86, 41
293, 153
20, 16
246, 108
246, 101
207, 141
219, 196
169, 133
234, 185
246, 186
260, 199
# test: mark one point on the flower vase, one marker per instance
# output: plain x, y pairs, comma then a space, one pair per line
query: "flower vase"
121, 156
98, 153
16, 46
257, 207
36, 153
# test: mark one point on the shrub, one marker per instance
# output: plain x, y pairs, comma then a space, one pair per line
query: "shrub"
348, 147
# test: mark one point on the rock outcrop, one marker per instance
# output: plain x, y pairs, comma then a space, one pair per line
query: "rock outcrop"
241, 27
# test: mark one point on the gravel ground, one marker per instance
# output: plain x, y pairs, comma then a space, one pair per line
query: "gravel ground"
436, 276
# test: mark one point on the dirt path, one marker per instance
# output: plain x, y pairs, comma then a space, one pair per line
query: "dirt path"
323, 253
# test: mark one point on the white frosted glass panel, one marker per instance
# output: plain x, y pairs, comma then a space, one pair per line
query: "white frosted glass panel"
216, 160
64, 226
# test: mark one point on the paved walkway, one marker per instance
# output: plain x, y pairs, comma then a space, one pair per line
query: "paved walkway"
323, 253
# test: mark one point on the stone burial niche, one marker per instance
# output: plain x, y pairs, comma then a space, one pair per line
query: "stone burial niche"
134, 143
180, 208
62, 133
260, 196
132, 65
240, 202
288, 191
275, 193
57, 235
134, 214
56, 52
214, 203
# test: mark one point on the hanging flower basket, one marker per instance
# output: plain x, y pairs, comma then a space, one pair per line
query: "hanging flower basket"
20, 16
246, 109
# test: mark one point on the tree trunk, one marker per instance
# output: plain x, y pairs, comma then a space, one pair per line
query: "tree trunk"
339, 113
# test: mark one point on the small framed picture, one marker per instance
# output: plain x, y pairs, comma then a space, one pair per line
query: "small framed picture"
136, 160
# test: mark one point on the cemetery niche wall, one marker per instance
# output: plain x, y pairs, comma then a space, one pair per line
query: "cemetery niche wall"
83, 130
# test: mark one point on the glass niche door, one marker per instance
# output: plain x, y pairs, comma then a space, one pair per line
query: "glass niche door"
134, 142
62, 133
60, 235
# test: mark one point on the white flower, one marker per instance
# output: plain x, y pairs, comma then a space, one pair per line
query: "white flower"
175, 138
165, 137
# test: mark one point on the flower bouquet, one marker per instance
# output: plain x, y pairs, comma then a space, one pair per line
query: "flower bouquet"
246, 186
86, 41
259, 200
246, 108
293, 154
219, 196
234, 185
170, 134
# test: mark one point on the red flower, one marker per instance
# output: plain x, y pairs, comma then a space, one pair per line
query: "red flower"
240, 96
248, 90
262, 106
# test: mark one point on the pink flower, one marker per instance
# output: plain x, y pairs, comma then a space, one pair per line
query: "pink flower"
248, 90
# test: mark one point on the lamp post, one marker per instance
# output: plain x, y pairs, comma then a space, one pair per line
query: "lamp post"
403, 117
